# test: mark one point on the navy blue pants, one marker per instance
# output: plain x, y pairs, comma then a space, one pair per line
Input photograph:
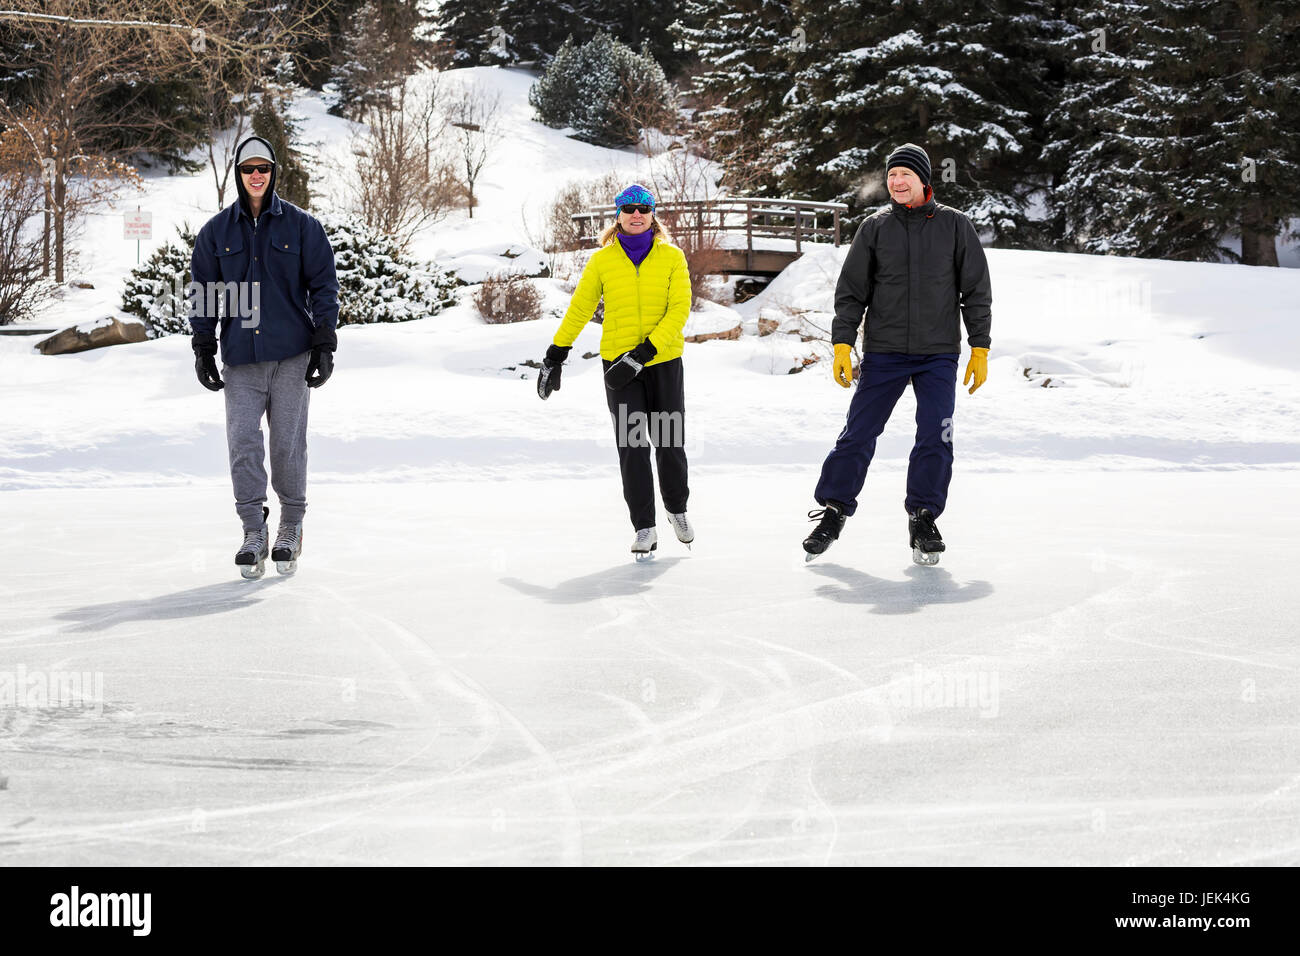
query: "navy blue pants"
929, 470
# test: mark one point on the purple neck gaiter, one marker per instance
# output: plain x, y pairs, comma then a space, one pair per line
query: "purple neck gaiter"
637, 247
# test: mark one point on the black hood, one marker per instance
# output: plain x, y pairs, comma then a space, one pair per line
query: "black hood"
270, 186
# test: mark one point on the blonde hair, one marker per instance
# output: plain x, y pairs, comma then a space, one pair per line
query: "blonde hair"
656, 226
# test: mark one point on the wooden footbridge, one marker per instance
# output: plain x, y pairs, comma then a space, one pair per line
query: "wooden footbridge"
745, 236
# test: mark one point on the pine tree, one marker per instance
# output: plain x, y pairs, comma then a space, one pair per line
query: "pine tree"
746, 48
607, 92
1180, 125
156, 289
947, 75
1262, 123
474, 30
485, 32
271, 122
536, 29
174, 100
380, 43
639, 24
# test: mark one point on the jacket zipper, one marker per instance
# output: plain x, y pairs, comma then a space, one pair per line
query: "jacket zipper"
640, 322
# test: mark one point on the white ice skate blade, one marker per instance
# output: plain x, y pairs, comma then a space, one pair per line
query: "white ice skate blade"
643, 556
252, 572
927, 558
287, 567
809, 556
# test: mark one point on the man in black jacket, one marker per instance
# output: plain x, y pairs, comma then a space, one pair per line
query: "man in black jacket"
913, 267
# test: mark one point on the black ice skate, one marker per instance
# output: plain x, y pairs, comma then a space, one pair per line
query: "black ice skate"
251, 557
288, 545
926, 541
827, 531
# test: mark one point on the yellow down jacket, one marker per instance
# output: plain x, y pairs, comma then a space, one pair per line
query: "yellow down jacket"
647, 301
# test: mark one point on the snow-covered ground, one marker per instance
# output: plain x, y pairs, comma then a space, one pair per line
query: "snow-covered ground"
468, 668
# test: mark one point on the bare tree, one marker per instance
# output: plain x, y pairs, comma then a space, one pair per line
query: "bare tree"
403, 180
558, 235
475, 117
237, 44
76, 49
64, 121
23, 285
687, 184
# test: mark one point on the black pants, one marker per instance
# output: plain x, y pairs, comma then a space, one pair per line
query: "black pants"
651, 411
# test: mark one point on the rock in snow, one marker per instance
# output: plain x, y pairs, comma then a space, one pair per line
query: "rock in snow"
93, 335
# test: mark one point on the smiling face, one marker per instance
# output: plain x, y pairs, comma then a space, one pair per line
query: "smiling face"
905, 186
634, 223
256, 182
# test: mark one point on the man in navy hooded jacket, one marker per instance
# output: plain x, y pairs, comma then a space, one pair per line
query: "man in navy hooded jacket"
276, 308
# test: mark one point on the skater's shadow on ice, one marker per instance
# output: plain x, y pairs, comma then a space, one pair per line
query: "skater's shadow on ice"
622, 580
924, 586
194, 602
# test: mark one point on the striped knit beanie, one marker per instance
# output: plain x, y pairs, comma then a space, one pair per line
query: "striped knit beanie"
913, 157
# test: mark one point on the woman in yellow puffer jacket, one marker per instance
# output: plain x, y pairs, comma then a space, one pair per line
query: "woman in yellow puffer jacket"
647, 291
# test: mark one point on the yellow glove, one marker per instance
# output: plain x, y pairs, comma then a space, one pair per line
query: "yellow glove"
977, 366
842, 371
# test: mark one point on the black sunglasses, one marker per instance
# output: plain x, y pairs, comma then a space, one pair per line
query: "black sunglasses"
249, 170
630, 208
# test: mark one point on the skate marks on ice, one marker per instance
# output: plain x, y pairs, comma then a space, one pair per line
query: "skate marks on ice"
923, 587
393, 793
726, 770
202, 601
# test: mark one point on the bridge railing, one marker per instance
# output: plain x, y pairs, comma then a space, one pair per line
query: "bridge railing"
798, 219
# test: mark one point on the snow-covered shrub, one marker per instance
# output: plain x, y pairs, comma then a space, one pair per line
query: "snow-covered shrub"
508, 298
605, 91
155, 290
377, 283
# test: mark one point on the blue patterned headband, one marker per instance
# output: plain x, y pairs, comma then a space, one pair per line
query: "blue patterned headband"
634, 195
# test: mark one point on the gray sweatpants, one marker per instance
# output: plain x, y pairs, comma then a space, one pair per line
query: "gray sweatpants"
277, 390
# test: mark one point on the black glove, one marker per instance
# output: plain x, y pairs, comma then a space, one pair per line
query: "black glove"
322, 363
205, 361
628, 366
324, 340
325, 337
548, 376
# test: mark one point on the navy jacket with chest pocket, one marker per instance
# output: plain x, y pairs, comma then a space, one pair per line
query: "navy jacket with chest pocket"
289, 257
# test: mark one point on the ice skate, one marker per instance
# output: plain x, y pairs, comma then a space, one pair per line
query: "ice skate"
288, 545
826, 532
682, 527
926, 541
251, 557
647, 539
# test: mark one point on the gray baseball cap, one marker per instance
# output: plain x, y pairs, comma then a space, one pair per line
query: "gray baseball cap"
252, 148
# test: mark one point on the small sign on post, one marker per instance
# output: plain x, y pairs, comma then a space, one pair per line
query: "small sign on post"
137, 225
